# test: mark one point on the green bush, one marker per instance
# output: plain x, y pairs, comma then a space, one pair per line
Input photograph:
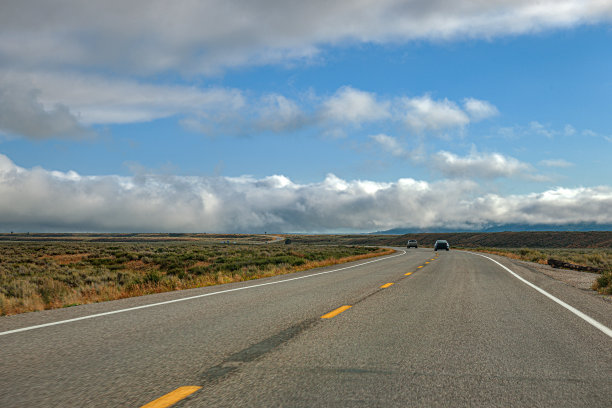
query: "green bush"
604, 283
152, 277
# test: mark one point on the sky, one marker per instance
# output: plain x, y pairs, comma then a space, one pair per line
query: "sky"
306, 117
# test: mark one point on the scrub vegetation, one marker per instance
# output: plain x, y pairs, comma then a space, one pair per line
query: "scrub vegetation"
600, 258
44, 275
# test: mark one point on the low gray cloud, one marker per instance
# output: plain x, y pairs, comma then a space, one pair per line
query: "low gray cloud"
22, 113
151, 36
41, 200
95, 99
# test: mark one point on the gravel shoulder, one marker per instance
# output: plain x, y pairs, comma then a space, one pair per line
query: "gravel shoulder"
577, 279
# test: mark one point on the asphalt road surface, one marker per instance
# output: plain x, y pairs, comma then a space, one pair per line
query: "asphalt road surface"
453, 330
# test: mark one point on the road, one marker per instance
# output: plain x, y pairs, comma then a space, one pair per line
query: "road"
458, 330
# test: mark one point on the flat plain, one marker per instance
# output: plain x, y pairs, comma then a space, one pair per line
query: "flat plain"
49, 273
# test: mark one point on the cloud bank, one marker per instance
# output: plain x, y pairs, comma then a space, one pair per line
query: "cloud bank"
41, 200
152, 36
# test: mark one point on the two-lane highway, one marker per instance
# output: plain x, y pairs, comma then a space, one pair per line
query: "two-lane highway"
416, 329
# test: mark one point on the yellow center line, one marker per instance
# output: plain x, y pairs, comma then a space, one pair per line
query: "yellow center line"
408, 274
172, 397
426, 262
420, 266
335, 312
386, 285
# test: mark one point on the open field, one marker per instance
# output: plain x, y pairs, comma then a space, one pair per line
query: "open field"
535, 239
43, 275
135, 237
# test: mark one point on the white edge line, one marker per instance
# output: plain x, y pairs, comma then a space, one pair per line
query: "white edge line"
572, 309
39, 326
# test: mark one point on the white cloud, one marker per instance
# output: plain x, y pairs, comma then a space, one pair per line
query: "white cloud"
207, 36
548, 131
350, 105
42, 105
425, 114
392, 146
389, 144
543, 130
480, 165
569, 130
478, 109
559, 163
41, 200
279, 113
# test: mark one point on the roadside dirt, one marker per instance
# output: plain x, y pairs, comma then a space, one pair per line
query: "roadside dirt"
577, 279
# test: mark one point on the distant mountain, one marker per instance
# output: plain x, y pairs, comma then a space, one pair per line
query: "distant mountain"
502, 228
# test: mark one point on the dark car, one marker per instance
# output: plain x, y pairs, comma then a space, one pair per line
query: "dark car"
412, 243
441, 244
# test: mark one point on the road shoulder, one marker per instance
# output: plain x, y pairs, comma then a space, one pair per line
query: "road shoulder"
588, 301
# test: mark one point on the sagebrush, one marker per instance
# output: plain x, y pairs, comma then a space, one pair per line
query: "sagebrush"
36, 276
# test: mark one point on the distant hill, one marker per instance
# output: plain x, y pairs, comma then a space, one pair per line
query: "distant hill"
508, 239
502, 228
518, 239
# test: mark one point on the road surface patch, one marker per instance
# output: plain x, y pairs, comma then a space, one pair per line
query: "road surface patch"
172, 397
606, 330
336, 312
386, 285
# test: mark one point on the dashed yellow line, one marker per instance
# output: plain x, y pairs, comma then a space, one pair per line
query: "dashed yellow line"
420, 266
426, 263
335, 312
386, 285
408, 274
172, 397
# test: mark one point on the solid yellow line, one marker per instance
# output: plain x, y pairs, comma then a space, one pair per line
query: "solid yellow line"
335, 312
408, 274
172, 397
386, 285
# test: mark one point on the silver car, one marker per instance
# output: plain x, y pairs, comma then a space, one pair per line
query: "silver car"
412, 243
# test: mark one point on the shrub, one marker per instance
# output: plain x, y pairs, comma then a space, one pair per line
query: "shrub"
603, 284
153, 277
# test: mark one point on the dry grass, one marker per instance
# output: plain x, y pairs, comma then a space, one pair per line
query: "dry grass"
37, 276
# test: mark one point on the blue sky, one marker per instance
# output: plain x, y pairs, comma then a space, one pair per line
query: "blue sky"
224, 116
